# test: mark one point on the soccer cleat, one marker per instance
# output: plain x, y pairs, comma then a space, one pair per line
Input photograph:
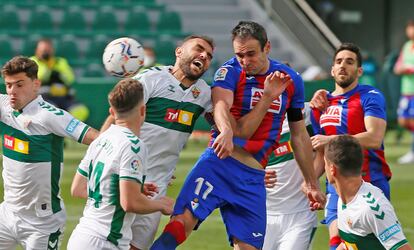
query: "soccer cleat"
407, 158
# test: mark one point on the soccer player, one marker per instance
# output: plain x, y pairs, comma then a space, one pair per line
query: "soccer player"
366, 218
290, 223
358, 110
32, 213
405, 67
175, 97
251, 95
112, 174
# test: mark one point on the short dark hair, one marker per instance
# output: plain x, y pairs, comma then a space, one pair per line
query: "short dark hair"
346, 153
246, 29
208, 39
19, 64
351, 47
410, 22
126, 95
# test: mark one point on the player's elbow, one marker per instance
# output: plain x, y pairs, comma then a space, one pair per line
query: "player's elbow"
128, 205
77, 192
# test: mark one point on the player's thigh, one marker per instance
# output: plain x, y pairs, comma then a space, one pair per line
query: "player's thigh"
7, 237
80, 240
144, 229
34, 239
274, 231
299, 231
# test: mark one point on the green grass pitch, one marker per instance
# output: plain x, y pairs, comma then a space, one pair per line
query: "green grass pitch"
211, 235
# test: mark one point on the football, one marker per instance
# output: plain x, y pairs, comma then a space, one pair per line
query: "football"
123, 57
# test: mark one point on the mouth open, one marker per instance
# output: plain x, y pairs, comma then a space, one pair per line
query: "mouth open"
199, 64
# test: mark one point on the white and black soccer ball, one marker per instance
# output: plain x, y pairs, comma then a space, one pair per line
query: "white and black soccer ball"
123, 57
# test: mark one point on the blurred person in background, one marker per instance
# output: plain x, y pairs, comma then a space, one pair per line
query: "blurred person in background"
405, 68
150, 58
57, 76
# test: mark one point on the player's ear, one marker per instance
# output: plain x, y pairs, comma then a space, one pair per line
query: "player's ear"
332, 72
267, 47
112, 112
143, 110
178, 51
360, 71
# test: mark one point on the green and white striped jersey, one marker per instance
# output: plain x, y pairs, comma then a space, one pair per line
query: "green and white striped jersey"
117, 154
172, 111
369, 221
33, 155
286, 197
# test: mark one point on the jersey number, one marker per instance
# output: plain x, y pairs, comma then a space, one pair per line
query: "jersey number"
94, 190
200, 182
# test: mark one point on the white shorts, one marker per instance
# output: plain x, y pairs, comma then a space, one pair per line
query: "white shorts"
290, 231
79, 240
16, 230
145, 226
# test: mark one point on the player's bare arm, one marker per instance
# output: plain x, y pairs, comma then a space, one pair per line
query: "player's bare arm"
302, 149
274, 85
90, 136
374, 136
79, 186
222, 102
132, 200
109, 120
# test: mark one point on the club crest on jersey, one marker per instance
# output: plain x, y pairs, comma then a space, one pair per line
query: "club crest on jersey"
350, 246
220, 74
196, 92
331, 117
276, 105
179, 116
16, 145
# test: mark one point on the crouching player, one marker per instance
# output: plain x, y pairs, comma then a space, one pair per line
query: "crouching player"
112, 174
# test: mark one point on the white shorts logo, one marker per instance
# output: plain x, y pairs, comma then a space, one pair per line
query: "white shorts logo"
276, 105
331, 117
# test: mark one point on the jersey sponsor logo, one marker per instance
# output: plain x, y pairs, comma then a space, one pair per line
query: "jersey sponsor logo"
72, 125
331, 117
276, 105
195, 91
389, 232
15, 144
350, 246
179, 116
220, 74
283, 149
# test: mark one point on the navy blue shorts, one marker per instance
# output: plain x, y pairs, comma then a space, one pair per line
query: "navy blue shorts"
331, 208
238, 190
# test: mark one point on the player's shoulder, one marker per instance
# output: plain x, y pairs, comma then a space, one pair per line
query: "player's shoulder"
153, 72
126, 140
371, 200
227, 69
367, 91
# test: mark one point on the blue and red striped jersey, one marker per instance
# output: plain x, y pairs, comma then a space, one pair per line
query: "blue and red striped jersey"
248, 89
345, 115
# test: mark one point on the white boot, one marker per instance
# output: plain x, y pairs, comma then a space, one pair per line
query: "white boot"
407, 158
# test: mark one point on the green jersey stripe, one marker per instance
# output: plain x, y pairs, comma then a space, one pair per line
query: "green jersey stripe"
83, 173
399, 244
57, 146
170, 114
85, 129
367, 242
119, 214
28, 148
129, 178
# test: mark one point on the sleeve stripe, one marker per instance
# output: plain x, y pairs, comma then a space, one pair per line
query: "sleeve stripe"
130, 178
85, 129
399, 244
81, 172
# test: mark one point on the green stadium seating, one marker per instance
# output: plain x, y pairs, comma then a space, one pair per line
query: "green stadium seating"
29, 46
9, 20
96, 48
137, 21
164, 49
169, 21
105, 21
94, 70
6, 50
73, 21
67, 49
40, 20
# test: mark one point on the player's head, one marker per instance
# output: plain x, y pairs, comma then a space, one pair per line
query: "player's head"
343, 156
346, 66
44, 49
149, 56
194, 56
251, 47
409, 30
20, 77
127, 100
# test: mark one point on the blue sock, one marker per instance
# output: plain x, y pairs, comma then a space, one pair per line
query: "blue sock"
166, 241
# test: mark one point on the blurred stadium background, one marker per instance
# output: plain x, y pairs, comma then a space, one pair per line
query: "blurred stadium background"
302, 32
